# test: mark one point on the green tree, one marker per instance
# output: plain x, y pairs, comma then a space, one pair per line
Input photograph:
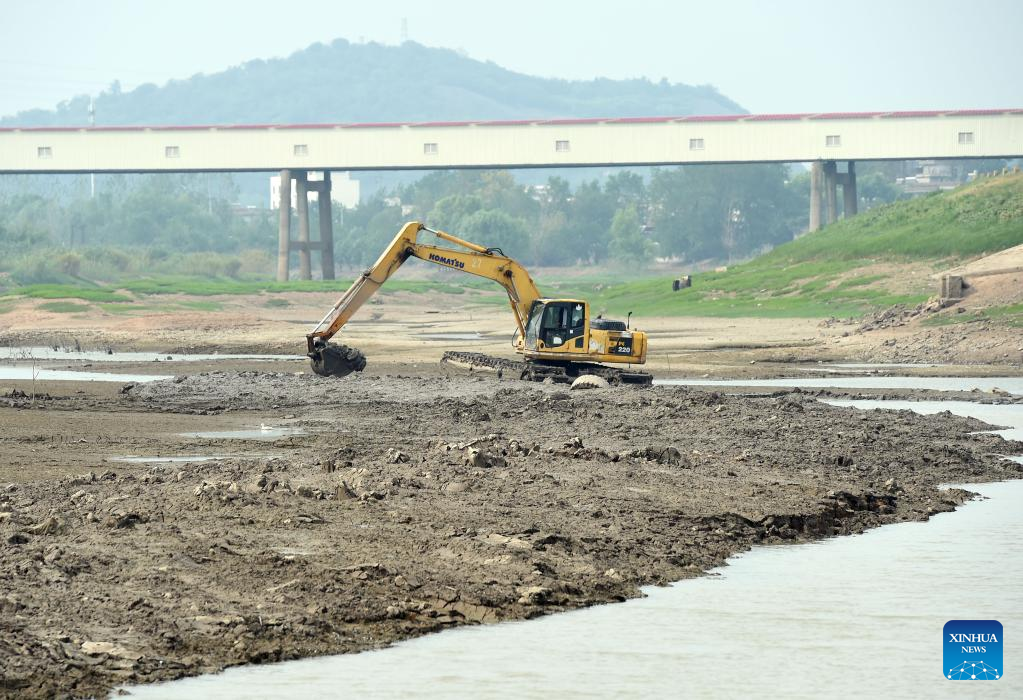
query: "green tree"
629, 244
720, 211
494, 228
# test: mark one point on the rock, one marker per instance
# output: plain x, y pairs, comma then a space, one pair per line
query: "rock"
512, 542
18, 538
892, 486
662, 454
111, 649
589, 381
534, 595
123, 521
456, 487
396, 456
484, 460
51, 526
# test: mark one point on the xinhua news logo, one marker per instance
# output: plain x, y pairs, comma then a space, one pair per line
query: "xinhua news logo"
972, 650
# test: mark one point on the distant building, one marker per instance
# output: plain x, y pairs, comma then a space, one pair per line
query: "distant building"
343, 189
933, 175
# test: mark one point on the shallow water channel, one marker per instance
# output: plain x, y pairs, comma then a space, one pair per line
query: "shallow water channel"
25, 363
47, 353
856, 615
1013, 385
28, 373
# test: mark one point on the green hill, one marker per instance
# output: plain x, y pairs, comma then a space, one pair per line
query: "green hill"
346, 82
882, 257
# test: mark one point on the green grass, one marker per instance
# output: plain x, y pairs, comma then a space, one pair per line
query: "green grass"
724, 295
63, 307
981, 217
211, 287
85, 292
276, 303
199, 305
6, 308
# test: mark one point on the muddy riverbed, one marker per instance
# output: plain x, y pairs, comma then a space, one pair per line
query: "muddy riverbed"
403, 504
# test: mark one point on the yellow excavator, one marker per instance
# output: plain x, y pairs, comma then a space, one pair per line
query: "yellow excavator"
557, 337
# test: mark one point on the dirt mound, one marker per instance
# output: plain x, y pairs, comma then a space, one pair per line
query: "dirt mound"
427, 503
215, 392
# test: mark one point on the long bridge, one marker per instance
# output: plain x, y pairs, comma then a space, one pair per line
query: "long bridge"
827, 140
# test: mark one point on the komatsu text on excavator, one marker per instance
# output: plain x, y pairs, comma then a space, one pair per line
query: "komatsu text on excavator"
558, 338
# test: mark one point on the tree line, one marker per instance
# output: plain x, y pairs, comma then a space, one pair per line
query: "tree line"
186, 223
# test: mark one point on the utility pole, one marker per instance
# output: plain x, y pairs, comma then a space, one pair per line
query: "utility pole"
92, 123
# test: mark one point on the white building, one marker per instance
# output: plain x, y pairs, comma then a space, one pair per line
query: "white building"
343, 189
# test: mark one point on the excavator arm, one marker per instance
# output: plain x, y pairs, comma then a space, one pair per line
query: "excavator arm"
490, 263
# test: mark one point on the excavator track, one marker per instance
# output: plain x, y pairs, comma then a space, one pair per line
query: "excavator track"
537, 372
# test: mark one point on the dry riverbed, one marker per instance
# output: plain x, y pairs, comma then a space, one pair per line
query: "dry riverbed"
407, 504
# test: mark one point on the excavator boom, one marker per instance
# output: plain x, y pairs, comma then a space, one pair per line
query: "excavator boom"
473, 259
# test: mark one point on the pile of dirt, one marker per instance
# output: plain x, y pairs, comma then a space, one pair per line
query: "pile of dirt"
901, 315
420, 504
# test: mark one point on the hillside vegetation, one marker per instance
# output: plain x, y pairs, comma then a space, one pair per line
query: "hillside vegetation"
347, 82
882, 257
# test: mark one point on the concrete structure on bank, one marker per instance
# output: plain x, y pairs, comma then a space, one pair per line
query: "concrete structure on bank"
825, 140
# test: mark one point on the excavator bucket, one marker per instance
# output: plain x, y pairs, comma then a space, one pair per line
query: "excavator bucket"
330, 360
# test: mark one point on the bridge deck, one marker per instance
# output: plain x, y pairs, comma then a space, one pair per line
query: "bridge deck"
516, 143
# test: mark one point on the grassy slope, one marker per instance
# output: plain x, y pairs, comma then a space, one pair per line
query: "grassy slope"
827, 273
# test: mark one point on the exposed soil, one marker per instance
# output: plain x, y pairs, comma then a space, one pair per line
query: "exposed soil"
413, 504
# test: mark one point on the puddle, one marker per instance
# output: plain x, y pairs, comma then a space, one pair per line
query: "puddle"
45, 353
884, 365
864, 367
1013, 385
161, 460
185, 458
260, 433
449, 336
995, 414
23, 372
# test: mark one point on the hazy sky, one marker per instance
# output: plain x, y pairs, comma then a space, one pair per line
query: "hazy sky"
769, 56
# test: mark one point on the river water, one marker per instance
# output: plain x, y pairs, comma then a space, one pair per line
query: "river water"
859, 615
1013, 385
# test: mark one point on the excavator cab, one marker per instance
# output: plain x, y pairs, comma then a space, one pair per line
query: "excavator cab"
553, 324
562, 330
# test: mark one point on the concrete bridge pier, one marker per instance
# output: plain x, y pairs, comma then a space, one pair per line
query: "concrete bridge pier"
851, 204
284, 227
831, 190
824, 182
322, 190
302, 212
303, 244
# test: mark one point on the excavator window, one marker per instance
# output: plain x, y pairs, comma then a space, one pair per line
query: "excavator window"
560, 322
